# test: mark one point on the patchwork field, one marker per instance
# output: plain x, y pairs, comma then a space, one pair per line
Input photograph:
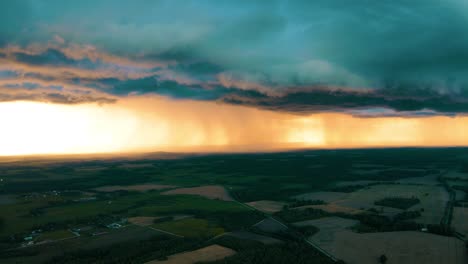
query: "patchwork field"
210, 191
206, 254
424, 180
328, 229
433, 200
399, 247
42, 252
98, 197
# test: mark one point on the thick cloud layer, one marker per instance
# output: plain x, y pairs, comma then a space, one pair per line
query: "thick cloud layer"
407, 57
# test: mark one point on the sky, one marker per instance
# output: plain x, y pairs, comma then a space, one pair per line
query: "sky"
113, 75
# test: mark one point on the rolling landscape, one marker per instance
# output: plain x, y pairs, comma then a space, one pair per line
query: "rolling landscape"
233, 132
311, 206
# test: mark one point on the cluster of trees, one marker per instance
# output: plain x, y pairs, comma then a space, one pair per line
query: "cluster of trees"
398, 202
378, 223
230, 221
308, 231
463, 188
406, 215
348, 188
250, 252
295, 215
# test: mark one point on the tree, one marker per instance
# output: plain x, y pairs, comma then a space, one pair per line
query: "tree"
383, 259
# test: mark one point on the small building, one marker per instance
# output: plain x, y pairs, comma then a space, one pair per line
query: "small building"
114, 226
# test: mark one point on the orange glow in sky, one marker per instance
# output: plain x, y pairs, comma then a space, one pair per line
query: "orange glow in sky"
161, 124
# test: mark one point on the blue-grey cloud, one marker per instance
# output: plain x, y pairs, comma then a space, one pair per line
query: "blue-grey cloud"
297, 56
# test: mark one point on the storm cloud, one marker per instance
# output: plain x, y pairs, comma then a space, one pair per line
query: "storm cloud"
405, 57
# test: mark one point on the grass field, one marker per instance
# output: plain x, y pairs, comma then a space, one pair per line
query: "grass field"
190, 227
55, 235
146, 204
399, 247
328, 228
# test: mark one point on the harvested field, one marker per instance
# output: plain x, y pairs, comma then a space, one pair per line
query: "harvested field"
407, 247
209, 191
328, 228
267, 206
433, 199
252, 236
138, 188
142, 220
460, 220
425, 180
327, 197
206, 254
270, 225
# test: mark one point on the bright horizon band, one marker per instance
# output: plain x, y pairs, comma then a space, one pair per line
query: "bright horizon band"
137, 124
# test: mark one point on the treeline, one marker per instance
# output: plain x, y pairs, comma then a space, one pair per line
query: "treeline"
302, 202
370, 223
398, 202
250, 252
74, 180
406, 215
296, 215
230, 221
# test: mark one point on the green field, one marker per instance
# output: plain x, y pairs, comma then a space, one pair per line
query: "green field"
190, 227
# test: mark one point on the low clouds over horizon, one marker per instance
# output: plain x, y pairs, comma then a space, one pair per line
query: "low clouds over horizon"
363, 57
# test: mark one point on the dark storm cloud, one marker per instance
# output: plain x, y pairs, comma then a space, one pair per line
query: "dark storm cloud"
407, 56
318, 100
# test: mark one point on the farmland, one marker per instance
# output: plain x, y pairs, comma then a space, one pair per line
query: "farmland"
158, 206
206, 254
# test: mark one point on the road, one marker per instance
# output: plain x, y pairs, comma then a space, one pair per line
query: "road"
318, 248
